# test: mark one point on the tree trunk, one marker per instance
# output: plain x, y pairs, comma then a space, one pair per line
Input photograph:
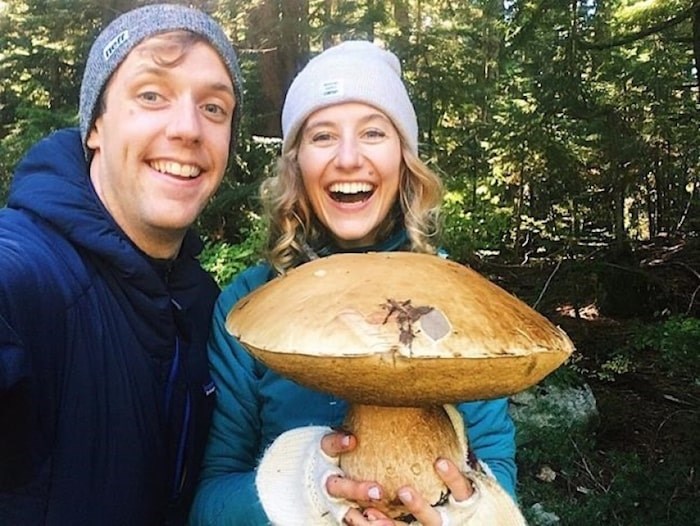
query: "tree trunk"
278, 30
696, 47
518, 211
619, 189
113, 8
327, 35
403, 22
571, 60
655, 193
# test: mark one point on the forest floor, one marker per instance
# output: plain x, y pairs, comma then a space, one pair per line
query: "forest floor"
648, 408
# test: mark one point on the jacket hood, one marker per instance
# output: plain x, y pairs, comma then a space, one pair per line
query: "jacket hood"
53, 183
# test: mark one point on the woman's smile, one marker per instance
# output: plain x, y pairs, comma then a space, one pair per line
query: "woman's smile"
350, 161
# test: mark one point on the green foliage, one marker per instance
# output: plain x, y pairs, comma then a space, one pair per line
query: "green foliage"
550, 445
612, 473
540, 125
617, 489
31, 124
537, 108
674, 341
225, 260
40, 48
677, 342
465, 230
618, 364
564, 470
610, 367
233, 212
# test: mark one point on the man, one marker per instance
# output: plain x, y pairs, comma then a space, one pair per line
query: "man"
105, 395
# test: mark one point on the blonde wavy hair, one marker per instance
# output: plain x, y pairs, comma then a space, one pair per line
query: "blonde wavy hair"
292, 227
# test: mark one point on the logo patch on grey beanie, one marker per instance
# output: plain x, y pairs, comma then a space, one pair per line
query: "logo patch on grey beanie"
114, 44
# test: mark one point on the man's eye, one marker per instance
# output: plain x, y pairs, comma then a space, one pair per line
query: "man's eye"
215, 109
149, 96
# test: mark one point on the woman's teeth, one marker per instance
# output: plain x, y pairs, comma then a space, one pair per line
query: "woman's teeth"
350, 188
350, 192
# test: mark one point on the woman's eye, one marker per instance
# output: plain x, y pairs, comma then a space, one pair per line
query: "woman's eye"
321, 137
375, 134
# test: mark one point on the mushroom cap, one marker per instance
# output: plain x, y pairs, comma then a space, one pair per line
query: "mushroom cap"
397, 329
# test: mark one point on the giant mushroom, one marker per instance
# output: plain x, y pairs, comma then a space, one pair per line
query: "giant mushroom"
398, 335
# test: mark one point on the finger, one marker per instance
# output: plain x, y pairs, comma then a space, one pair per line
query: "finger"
333, 444
364, 493
355, 518
459, 485
419, 507
377, 518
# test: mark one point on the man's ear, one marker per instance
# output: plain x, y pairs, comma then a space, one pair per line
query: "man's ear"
93, 138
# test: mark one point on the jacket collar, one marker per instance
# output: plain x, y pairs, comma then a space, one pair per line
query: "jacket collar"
53, 183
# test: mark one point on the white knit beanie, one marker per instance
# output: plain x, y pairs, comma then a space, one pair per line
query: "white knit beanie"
354, 71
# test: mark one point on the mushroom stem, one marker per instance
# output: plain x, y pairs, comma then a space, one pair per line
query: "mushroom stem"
398, 446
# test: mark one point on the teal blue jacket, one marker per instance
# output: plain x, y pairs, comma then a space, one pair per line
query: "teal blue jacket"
255, 405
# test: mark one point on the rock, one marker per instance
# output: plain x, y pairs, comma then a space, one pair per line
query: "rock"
555, 407
546, 474
538, 516
546, 416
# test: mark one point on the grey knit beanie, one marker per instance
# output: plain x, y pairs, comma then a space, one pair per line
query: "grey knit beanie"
353, 71
126, 31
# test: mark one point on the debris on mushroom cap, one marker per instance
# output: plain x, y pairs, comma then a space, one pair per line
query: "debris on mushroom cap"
397, 328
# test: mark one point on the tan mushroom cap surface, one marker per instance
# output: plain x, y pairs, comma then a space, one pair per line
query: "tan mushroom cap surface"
397, 329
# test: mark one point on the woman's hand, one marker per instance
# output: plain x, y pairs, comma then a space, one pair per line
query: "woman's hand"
461, 489
299, 480
363, 493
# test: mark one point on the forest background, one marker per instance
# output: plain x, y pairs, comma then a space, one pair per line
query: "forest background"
566, 132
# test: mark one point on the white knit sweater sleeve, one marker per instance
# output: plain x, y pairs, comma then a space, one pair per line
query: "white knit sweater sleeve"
291, 480
489, 505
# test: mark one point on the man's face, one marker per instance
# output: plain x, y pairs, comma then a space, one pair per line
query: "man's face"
162, 143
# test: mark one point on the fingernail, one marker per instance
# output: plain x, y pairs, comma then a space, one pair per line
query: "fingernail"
345, 441
405, 495
374, 493
442, 465
371, 516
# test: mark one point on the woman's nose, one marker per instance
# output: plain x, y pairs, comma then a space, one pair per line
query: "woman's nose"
348, 154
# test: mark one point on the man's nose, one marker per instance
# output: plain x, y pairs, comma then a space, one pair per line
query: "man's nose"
185, 121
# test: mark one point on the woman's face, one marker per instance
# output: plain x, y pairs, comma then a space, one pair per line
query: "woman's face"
350, 161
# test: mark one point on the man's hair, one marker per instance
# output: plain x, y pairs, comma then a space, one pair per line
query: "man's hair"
161, 51
127, 31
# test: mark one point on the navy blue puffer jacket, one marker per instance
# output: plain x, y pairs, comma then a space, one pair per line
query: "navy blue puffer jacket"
105, 396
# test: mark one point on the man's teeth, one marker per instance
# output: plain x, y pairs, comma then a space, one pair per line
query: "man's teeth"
350, 188
173, 168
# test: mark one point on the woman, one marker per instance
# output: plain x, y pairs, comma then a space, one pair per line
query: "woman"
349, 180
